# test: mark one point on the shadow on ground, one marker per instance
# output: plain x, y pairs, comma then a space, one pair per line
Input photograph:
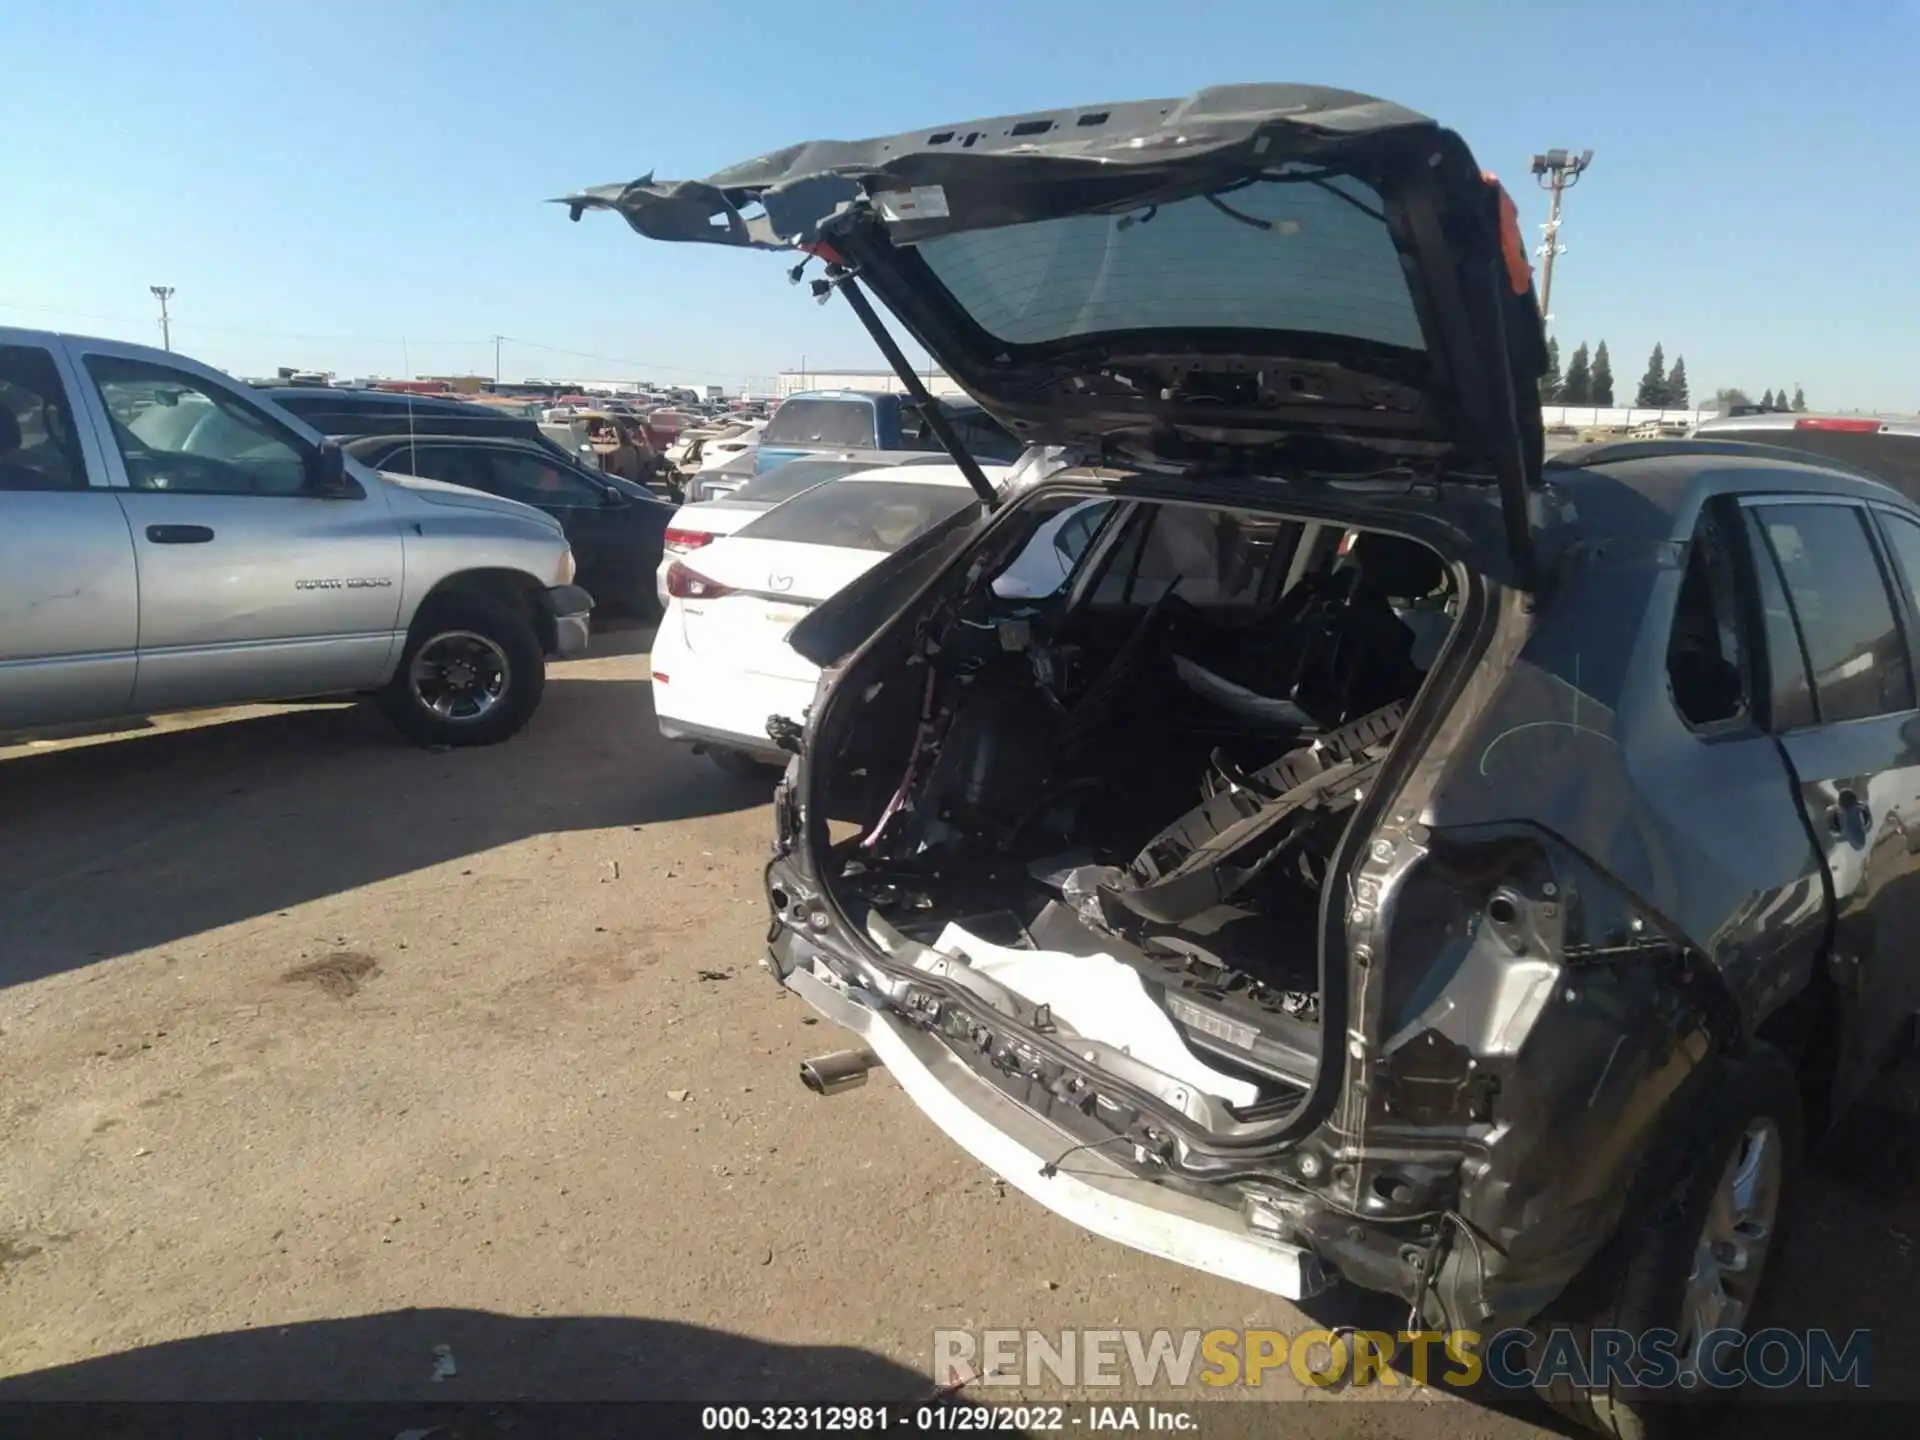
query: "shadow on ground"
111, 848
394, 1356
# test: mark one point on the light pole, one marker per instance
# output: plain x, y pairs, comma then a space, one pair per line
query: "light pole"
1555, 172
160, 293
496, 358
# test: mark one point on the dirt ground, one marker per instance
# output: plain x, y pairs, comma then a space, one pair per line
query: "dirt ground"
319, 1053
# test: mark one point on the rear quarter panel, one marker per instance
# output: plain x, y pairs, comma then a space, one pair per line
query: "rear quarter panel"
1663, 895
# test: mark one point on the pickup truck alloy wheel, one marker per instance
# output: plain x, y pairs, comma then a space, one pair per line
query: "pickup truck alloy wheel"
472, 673
460, 676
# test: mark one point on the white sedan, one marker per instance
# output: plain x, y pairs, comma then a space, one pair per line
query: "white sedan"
721, 663
696, 525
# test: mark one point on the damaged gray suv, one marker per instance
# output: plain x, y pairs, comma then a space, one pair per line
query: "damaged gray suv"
1384, 854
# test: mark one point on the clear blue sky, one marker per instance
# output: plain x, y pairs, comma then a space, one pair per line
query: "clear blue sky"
357, 186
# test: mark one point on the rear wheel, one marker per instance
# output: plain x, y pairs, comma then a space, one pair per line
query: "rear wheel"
1697, 1264
472, 674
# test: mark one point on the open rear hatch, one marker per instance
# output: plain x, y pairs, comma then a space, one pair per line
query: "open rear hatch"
1262, 278
1113, 810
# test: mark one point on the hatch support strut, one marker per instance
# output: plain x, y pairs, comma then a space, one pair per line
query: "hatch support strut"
936, 418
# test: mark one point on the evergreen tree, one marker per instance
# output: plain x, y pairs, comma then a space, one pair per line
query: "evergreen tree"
1550, 382
1677, 397
1780, 397
1602, 383
1577, 388
1653, 385
1799, 400
1766, 401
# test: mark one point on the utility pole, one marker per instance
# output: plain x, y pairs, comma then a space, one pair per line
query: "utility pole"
496, 358
160, 293
1555, 172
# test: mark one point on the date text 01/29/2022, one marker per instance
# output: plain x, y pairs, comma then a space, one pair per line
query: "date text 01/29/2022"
944, 1417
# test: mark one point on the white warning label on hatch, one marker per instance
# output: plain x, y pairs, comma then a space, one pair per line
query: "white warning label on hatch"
922, 202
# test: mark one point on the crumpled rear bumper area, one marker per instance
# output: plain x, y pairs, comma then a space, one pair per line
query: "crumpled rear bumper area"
1086, 1188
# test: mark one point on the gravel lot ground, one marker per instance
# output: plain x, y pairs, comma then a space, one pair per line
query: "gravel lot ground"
318, 1052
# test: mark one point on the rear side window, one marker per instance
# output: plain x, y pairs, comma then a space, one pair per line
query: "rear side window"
441, 462
1705, 664
39, 448
915, 433
844, 423
860, 514
1790, 703
535, 481
1855, 651
985, 438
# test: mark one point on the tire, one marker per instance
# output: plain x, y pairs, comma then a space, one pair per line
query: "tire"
467, 633
1640, 1282
745, 766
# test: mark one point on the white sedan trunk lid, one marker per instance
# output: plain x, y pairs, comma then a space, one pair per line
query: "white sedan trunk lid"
773, 584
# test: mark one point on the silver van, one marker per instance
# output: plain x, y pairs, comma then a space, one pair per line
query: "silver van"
172, 540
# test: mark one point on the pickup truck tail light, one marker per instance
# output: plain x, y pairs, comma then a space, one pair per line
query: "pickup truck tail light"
679, 542
685, 584
1851, 427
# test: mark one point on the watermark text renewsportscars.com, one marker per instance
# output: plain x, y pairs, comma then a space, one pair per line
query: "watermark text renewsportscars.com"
1212, 1360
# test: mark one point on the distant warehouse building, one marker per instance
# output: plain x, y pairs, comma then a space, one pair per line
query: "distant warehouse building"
792, 382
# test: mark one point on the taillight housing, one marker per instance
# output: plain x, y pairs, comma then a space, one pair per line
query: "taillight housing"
685, 584
679, 542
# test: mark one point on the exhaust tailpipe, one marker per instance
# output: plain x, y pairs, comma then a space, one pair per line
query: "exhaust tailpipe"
842, 1070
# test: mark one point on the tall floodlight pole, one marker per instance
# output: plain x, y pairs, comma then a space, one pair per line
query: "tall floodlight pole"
1556, 172
160, 293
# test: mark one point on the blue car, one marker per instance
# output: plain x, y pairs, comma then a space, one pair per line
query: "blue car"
830, 421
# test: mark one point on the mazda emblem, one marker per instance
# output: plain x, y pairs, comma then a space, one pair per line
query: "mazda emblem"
779, 582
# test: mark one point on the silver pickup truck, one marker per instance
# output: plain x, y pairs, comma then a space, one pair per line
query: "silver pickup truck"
172, 540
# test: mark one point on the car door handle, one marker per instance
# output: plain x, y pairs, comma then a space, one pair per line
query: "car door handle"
179, 534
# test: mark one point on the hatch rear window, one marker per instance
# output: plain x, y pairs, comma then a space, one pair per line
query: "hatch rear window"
1300, 250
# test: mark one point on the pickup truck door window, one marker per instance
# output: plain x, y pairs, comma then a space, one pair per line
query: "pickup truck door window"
1858, 765
251, 586
69, 600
